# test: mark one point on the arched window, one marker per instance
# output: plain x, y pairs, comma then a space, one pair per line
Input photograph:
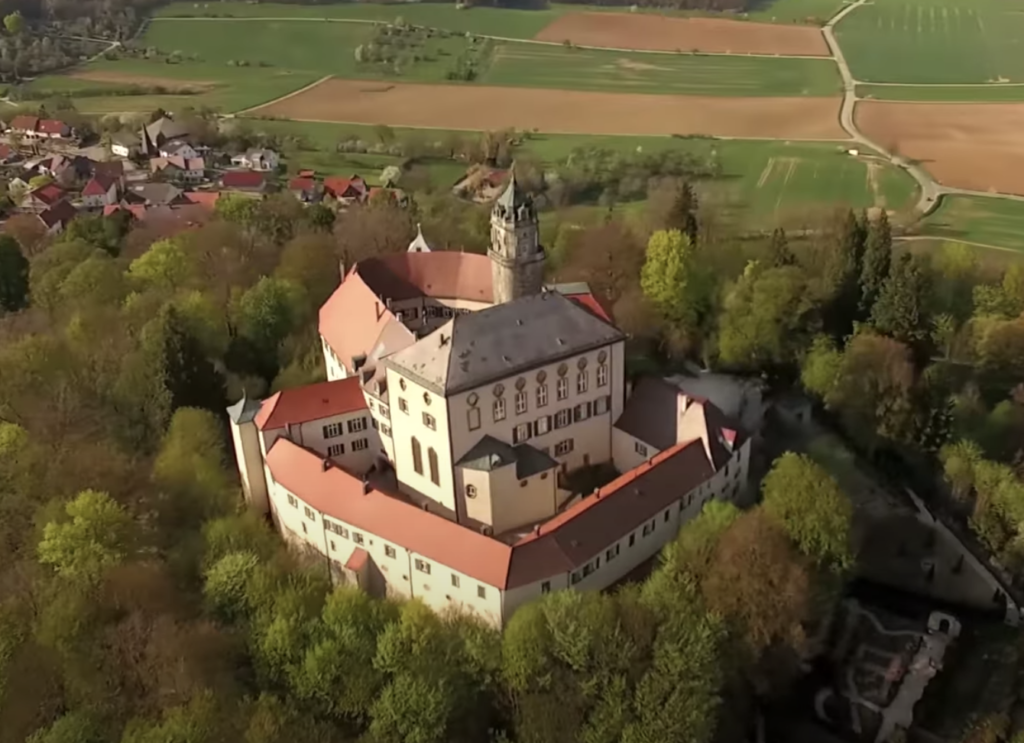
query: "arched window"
435, 475
417, 456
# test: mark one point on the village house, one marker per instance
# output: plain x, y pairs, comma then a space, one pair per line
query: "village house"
161, 131
179, 169
125, 144
246, 181
442, 458
8, 155
306, 189
101, 191
263, 160
56, 218
43, 197
53, 129
347, 190
25, 126
178, 148
153, 194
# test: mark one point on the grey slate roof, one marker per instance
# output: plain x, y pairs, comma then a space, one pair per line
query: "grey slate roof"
650, 413
244, 410
163, 129
480, 347
490, 454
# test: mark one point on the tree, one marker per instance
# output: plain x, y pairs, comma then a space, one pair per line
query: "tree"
164, 266
682, 214
237, 208
308, 260
320, 217
779, 253
14, 271
14, 23
821, 367
94, 539
877, 261
900, 309
842, 273
766, 312
809, 506
73, 727
670, 280
268, 311
178, 360
1000, 348
959, 461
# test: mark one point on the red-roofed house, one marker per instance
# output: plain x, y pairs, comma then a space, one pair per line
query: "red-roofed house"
43, 197
25, 125
8, 154
347, 190
207, 199
439, 462
57, 217
251, 181
179, 169
100, 191
53, 129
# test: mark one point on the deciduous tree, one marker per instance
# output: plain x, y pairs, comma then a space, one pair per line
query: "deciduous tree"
14, 271
94, 537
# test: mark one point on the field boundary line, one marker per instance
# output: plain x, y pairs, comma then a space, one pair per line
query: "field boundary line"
284, 97
510, 40
922, 238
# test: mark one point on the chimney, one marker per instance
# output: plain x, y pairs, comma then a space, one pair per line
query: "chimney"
341, 269
326, 464
486, 530
366, 487
425, 506
536, 529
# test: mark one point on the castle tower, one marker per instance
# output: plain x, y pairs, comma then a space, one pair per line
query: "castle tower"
517, 258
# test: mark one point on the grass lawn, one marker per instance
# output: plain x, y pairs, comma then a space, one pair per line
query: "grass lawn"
538, 66
935, 41
796, 11
993, 93
988, 221
763, 183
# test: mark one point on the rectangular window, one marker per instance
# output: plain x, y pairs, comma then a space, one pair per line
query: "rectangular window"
304, 529
542, 395
601, 405
649, 528
632, 539
563, 447
563, 388
499, 409
667, 511
520, 433
385, 429
542, 425
429, 422
473, 418
357, 537
575, 577
356, 425
602, 375
389, 551
520, 403
423, 566
293, 501
385, 412
403, 405
332, 430
545, 587
563, 418
582, 380
481, 592
455, 580
417, 456
338, 529
373, 422
310, 513
360, 445
611, 553
334, 547
581, 412
435, 475
335, 450
640, 449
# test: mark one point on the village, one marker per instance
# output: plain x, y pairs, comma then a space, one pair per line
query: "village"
161, 173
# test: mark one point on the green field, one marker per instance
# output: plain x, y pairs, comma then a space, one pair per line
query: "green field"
986, 221
796, 11
763, 183
992, 93
537, 66
935, 41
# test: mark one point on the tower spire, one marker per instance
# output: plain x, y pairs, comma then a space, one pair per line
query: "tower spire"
517, 259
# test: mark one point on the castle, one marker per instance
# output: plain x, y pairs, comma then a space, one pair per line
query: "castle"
465, 403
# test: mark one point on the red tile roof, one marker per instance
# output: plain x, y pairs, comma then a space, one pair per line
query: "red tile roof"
302, 183
443, 274
560, 545
137, 210
311, 403
307, 173
591, 303
242, 179
52, 126
98, 185
6, 151
357, 559
353, 187
60, 213
352, 319
49, 194
25, 123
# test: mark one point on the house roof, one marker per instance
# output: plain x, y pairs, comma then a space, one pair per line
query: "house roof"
560, 545
128, 139
651, 412
302, 183
245, 410
164, 128
52, 126
60, 213
203, 198
137, 210
174, 146
490, 454
494, 343
98, 185
311, 403
25, 123
593, 304
157, 194
110, 169
49, 194
243, 179
6, 151
337, 186
441, 274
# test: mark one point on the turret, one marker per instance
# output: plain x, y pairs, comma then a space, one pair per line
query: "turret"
517, 258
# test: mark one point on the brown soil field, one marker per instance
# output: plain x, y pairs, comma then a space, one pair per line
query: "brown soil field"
122, 78
976, 146
559, 111
660, 33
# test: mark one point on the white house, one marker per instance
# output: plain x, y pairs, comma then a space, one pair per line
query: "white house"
257, 159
